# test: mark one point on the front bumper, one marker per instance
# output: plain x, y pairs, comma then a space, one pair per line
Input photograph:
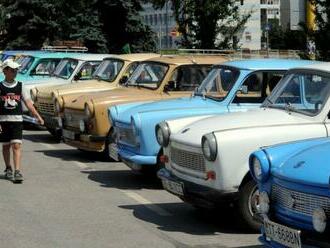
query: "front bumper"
52, 122
88, 142
134, 158
196, 194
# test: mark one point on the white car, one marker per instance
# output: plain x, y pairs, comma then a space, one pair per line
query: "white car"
206, 157
75, 68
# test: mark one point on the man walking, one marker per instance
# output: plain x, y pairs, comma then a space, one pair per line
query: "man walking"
12, 93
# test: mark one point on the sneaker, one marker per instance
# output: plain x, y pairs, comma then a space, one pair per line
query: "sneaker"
8, 173
18, 177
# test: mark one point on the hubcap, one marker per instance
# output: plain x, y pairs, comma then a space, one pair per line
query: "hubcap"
253, 203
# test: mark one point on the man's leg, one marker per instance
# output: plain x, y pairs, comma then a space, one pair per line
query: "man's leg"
17, 155
6, 154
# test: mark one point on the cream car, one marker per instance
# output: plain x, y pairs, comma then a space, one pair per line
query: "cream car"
206, 157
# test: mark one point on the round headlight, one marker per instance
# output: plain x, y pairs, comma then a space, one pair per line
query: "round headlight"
33, 94
209, 146
89, 110
319, 220
257, 170
263, 207
82, 126
163, 134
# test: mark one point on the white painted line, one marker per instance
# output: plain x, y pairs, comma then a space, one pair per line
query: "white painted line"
82, 165
148, 204
49, 146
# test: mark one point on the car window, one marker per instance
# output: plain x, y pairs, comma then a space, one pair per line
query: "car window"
108, 70
87, 70
45, 67
188, 77
65, 68
257, 86
26, 64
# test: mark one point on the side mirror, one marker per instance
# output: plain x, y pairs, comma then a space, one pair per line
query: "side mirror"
77, 77
169, 86
244, 90
123, 80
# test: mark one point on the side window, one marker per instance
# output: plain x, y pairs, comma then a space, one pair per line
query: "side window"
87, 70
130, 69
292, 92
257, 87
187, 78
45, 67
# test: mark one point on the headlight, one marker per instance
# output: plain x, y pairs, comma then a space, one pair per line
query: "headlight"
319, 220
259, 166
263, 203
163, 134
209, 146
89, 110
33, 94
82, 126
257, 170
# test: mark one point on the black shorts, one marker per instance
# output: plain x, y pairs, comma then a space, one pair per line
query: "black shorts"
12, 132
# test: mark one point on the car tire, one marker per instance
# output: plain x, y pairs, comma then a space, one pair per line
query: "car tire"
247, 206
106, 151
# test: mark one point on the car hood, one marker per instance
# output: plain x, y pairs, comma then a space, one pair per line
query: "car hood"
116, 96
49, 80
167, 108
79, 87
260, 117
309, 166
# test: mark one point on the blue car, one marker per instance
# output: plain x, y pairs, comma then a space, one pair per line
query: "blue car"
294, 193
229, 87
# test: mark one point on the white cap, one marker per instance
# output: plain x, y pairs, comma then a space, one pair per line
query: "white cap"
10, 63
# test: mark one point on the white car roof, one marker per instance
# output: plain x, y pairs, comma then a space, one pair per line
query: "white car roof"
322, 66
88, 56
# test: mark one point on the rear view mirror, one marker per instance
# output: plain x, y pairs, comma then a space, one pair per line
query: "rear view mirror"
123, 80
244, 90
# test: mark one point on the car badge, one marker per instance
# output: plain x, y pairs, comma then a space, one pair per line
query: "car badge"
185, 130
299, 164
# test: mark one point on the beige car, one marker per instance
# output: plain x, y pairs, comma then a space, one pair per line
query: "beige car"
48, 100
86, 125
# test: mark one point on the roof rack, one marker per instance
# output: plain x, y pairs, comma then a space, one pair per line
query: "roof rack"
64, 48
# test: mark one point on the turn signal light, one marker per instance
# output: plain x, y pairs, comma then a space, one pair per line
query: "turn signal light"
163, 159
211, 175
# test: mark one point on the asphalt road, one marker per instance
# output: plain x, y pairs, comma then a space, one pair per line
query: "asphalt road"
69, 199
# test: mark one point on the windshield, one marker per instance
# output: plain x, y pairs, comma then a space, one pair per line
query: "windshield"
65, 68
45, 67
87, 70
109, 70
218, 82
25, 64
302, 92
148, 75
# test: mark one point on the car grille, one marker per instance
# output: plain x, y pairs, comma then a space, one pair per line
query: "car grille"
190, 160
125, 135
72, 119
299, 202
46, 107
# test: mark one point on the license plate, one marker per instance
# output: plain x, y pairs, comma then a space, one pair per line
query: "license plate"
113, 151
68, 134
174, 187
281, 234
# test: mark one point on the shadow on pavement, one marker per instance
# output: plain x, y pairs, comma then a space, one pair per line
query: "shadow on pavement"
41, 137
186, 219
124, 179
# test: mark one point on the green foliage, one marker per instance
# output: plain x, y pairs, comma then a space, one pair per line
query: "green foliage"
102, 25
322, 34
206, 23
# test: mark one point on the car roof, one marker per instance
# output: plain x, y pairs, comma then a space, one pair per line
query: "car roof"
88, 56
320, 66
189, 59
134, 56
268, 64
51, 54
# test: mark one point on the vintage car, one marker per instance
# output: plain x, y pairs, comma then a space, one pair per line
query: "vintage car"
86, 124
207, 156
36, 65
76, 67
48, 100
294, 193
229, 87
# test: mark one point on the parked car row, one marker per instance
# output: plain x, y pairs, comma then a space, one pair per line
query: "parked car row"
249, 133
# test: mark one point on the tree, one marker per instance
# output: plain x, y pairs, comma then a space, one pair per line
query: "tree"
322, 34
206, 23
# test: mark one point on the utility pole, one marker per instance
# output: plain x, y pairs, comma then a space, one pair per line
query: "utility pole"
166, 24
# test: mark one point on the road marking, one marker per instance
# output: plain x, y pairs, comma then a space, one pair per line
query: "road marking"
81, 165
49, 146
148, 204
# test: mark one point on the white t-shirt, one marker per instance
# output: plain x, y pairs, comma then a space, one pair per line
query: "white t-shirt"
25, 96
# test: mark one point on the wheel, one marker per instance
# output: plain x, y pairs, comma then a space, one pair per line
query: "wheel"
56, 133
248, 204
